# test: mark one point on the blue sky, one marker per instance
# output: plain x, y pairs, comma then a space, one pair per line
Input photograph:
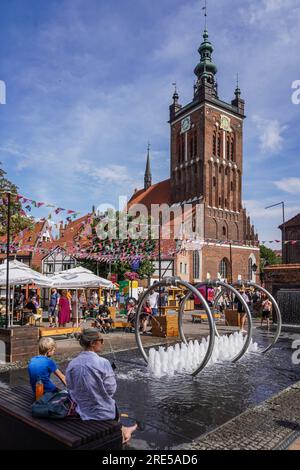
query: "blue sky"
89, 83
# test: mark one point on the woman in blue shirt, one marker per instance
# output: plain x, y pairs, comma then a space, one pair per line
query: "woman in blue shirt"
92, 383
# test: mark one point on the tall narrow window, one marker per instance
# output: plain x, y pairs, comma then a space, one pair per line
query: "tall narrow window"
220, 201
224, 268
214, 181
232, 150
231, 185
178, 144
228, 148
195, 144
191, 146
196, 264
182, 148
219, 145
215, 144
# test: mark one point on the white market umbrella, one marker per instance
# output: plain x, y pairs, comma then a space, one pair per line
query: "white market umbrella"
77, 278
21, 274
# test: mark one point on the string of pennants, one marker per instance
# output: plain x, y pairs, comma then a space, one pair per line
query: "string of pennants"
115, 251
31, 203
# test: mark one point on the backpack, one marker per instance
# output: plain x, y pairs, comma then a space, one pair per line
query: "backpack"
53, 405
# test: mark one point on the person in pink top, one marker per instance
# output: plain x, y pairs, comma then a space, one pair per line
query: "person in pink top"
64, 311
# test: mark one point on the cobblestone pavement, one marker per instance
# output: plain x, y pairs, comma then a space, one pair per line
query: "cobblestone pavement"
274, 424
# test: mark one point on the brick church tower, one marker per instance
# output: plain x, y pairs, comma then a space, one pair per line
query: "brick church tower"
206, 168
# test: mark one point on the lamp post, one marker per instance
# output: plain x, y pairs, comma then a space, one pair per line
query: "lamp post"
8, 194
283, 227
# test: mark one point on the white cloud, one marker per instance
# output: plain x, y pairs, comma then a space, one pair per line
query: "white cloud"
289, 185
270, 134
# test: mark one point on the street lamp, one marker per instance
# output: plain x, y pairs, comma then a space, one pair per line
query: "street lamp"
8, 193
283, 227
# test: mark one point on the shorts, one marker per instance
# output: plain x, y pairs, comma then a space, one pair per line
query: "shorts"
266, 314
154, 311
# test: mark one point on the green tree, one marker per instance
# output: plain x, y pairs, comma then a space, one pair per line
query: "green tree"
267, 257
146, 269
18, 221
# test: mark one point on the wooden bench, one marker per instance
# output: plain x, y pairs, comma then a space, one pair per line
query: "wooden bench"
59, 331
199, 317
20, 431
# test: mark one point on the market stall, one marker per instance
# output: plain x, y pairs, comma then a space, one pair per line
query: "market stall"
78, 278
20, 275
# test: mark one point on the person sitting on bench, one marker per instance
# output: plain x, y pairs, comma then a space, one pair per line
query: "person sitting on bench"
103, 319
41, 367
92, 383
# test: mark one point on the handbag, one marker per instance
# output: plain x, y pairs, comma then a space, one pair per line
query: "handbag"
51, 405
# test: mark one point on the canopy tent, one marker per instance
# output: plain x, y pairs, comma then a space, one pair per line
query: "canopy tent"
21, 274
78, 278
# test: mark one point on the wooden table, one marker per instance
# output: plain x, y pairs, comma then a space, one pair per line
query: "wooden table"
20, 431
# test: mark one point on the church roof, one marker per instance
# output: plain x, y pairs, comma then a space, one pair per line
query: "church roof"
159, 193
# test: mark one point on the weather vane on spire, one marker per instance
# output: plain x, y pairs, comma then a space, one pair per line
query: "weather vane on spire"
205, 14
237, 80
175, 85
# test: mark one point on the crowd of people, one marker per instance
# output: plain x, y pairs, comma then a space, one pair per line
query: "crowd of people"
72, 306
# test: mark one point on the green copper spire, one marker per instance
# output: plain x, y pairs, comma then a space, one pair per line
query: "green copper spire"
206, 64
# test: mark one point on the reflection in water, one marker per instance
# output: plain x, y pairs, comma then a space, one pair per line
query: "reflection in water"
178, 409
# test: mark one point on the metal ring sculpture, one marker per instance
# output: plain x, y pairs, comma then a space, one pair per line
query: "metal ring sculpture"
222, 284
171, 281
276, 307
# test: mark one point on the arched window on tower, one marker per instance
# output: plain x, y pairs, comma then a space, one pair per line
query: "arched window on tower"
219, 144
228, 148
182, 148
215, 144
232, 150
178, 146
195, 143
214, 181
224, 231
231, 186
224, 268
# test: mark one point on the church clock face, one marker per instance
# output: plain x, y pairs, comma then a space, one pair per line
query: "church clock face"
225, 123
186, 124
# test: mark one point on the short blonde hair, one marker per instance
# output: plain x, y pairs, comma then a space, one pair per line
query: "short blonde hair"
46, 344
